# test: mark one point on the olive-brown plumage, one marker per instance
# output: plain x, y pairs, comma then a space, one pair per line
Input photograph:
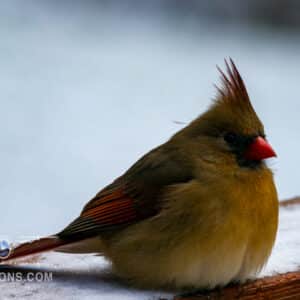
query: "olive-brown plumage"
199, 211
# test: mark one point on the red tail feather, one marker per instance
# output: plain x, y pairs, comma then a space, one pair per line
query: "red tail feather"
34, 247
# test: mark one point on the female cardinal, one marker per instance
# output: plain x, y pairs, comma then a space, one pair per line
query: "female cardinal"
199, 211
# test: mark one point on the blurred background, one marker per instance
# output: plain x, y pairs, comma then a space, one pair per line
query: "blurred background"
87, 87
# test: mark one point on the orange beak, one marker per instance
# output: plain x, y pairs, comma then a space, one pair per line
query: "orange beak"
259, 149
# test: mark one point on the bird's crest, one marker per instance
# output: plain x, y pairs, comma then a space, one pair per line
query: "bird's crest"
233, 89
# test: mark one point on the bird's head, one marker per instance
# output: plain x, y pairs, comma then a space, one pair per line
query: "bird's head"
231, 127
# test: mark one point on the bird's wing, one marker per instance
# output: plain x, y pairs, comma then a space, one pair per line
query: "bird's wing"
135, 196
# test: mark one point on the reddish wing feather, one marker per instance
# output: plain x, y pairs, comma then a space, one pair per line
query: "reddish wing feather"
112, 213
109, 210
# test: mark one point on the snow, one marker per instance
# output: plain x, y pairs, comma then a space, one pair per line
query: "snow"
89, 277
286, 254
68, 276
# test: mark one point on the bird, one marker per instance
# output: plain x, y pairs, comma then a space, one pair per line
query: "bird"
197, 212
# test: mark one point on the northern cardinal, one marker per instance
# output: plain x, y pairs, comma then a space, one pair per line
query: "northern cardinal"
199, 211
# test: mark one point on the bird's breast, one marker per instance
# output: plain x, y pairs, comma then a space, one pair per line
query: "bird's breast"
233, 228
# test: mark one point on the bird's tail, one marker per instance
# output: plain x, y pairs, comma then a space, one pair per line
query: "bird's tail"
37, 246
52, 243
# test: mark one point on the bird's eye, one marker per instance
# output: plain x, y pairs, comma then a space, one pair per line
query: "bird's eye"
230, 137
